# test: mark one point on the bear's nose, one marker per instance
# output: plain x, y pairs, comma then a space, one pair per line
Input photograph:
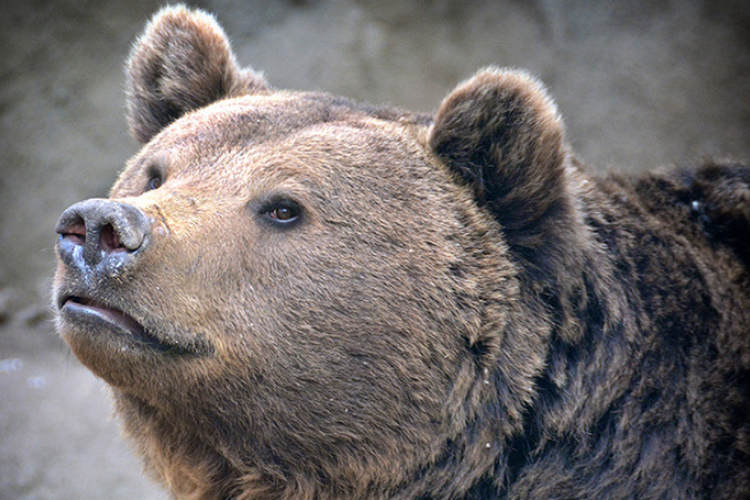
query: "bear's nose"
101, 233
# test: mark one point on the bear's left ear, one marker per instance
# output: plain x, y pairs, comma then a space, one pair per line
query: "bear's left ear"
181, 62
503, 136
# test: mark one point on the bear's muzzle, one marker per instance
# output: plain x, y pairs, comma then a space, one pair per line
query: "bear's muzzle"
102, 237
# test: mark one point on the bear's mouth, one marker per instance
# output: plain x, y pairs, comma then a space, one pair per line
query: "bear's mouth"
86, 309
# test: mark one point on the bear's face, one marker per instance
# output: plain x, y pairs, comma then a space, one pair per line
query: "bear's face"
317, 280
309, 287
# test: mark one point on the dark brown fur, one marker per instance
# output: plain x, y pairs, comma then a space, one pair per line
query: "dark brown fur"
458, 311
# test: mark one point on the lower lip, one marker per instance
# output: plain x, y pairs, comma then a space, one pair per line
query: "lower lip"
115, 320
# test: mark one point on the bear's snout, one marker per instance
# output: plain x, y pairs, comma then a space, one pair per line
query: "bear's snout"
102, 236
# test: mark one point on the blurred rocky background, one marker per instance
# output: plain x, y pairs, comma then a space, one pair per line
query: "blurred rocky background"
641, 83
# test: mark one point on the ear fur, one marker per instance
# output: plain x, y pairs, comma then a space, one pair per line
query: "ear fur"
502, 135
181, 62
722, 203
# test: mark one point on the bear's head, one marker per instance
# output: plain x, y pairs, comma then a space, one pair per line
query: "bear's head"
293, 295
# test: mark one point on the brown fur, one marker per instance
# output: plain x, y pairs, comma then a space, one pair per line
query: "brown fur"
457, 311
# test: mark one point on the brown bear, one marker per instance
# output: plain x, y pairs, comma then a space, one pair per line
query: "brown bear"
297, 296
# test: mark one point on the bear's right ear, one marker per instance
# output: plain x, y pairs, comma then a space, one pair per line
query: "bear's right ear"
181, 62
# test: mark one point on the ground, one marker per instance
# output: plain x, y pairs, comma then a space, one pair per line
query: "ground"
59, 440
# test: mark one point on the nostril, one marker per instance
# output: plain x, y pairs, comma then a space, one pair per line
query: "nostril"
110, 240
74, 231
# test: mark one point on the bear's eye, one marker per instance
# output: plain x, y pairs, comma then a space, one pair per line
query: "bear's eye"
155, 179
282, 212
